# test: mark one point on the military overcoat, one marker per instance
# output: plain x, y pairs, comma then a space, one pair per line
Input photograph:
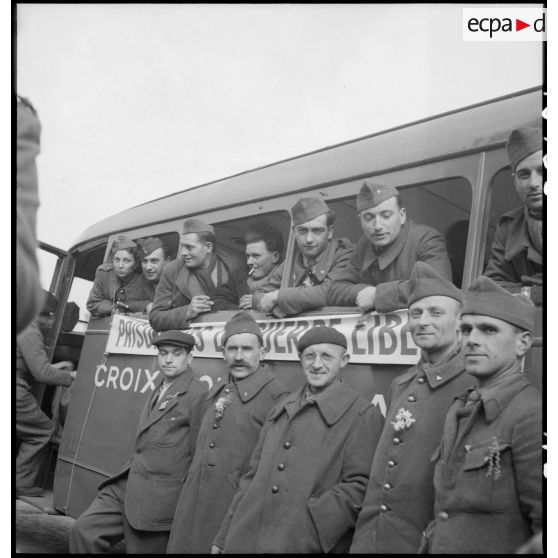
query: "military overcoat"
223, 451
399, 501
307, 476
133, 290
514, 261
390, 269
488, 474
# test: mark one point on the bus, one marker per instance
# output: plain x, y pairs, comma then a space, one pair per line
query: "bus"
452, 173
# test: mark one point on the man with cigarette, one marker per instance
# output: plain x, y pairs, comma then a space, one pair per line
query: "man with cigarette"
321, 260
188, 284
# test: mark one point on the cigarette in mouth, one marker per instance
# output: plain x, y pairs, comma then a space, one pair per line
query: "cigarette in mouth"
251, 271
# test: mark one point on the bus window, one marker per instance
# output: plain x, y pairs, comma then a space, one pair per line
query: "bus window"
503, 199
444, 205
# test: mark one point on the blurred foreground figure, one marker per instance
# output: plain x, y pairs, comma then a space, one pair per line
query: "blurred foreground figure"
28, 289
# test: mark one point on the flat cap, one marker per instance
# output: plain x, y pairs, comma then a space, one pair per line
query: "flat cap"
242, 322
372, 194
50, 302
174, 337
523, 142
150, 244
123, 243
196, 226
487, 298
321, 334
306, 209
426, 281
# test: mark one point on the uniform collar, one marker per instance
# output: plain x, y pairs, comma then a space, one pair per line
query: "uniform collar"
248, 387
332, 403
323, 264
517, 239
387, 256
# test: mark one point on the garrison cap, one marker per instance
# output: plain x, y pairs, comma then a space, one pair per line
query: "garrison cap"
150, 244
306, 209
372, 194
426, 281
242, 322
123, 243
523, 142
487, 298
174, 337
321, 334
50, 302
196, 226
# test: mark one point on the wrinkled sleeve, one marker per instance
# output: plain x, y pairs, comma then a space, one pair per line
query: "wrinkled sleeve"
98, 302
498, 268
293, 300
31, 345
335, 511
392, 295
272, 284
166, 314
345, 286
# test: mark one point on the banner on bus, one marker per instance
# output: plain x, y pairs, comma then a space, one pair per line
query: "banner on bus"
378, 339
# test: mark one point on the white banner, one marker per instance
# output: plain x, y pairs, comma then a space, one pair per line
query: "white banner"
381, 339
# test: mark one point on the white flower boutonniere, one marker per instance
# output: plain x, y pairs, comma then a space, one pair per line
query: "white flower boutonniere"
221, 404
403, 420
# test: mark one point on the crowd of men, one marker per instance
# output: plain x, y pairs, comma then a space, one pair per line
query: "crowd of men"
248, 467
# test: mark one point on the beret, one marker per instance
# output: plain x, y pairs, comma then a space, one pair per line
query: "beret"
306, 209
196, 226
174, 337
523, 142
150, 244
373, 194
321, 334
123, 243
425, 281
487, 298
50, 302
242, 322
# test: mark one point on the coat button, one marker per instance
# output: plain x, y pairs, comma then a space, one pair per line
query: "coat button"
396, 441
443, 515
287, 445
391, 463
411, 398
274, 489
421, 380
212, 445
387, 486
227, 390
383, 508
215, 425
281, 466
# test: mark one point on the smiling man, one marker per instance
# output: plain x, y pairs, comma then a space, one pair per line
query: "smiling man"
377, 277
228, 434
138, 503
488, 473
517, 250
188, 283
308, 473
321, 259
399, 501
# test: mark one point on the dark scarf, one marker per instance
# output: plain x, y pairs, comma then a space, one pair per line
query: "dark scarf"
535, 228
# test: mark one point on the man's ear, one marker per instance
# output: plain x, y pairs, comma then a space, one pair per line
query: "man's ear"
403, 213
523, 342
330, 232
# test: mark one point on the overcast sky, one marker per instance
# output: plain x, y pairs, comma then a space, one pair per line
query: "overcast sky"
138, 101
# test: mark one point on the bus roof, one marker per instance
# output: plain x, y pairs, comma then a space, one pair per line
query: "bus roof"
479, 126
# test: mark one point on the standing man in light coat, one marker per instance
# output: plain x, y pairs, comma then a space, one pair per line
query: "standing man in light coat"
228, 434
488, 473
138, 503
309, 471
399, 502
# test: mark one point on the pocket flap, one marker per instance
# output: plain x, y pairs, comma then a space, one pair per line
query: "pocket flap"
478, 457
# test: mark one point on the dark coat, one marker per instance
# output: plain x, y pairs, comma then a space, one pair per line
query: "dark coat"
222, 455
177, 286
307, 476
32, 364
164, 448
401, 475
106, 286
484, 504
390, 270
514, 260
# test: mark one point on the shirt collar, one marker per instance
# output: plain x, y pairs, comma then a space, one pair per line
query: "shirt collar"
387, 256
248, 387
